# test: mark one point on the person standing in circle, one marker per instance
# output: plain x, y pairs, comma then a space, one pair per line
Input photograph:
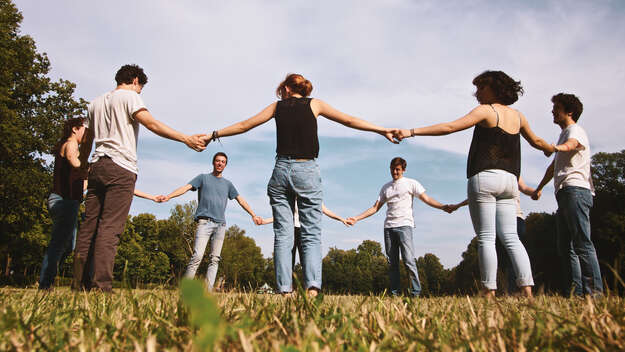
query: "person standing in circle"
296, 176
493, 169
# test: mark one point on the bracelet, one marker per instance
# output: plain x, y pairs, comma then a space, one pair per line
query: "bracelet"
412, 132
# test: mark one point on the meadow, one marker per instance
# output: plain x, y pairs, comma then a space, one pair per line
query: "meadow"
187, 320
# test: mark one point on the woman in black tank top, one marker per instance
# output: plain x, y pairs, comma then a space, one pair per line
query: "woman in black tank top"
493, 167
64, 199
296, 174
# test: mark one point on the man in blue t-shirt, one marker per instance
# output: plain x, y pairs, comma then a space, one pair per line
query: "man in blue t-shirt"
212, 198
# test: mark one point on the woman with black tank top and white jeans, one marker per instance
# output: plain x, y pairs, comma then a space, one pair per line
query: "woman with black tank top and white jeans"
296, 176
493, 170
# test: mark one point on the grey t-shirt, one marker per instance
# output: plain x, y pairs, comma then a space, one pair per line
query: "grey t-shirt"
111, 118
213, 196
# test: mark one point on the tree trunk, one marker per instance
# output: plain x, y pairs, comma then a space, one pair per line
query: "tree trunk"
7, 270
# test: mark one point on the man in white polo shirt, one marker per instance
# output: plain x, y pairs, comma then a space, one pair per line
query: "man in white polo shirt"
570, 170
399, 195
113, 124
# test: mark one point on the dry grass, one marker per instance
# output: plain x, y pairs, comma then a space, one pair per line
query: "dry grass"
157, 320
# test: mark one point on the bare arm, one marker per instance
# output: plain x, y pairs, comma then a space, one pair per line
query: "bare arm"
256, 219
329, 213
324, 109
246, 125
471, 119
525, 189
144, 195
367, 213
195, 142
72, 153
533, 139
85, 147
570, 144
179, 191
548, 176
430, 201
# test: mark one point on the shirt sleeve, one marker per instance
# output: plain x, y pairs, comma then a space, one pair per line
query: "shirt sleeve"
134, 103
196, 183
579, 135
417, 189
382, 196
232, 192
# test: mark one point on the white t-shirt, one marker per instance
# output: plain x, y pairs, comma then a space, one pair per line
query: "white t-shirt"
115, 130
398, 196
572, 168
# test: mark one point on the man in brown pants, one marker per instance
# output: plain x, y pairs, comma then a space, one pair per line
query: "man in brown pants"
113, 123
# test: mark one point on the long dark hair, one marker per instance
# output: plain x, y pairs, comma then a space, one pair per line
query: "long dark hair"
67, 131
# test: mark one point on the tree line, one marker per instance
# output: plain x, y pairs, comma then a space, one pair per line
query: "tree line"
152, 251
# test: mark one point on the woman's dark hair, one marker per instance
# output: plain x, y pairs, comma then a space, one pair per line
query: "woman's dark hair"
398, 161
296, 83
505, 89
127, 73
570, 103
68, 128
220, 154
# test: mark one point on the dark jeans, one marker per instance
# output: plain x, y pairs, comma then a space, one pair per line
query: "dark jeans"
109, 196
64, 221
396, 239
580, 266
506, 264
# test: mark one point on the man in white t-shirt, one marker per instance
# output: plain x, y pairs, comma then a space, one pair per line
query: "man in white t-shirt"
113, 124
398, 195
570, 170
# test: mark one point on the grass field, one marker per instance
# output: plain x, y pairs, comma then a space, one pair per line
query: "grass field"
186, 319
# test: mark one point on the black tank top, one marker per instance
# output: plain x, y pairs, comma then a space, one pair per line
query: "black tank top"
494, 148
62, 184
296, 129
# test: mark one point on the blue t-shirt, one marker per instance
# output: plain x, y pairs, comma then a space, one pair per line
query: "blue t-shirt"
213, 196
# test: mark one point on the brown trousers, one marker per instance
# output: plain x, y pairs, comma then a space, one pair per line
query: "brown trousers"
109, 195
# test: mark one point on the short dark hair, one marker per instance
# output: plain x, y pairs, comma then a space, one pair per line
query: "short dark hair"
505, 89
570, 103
127, 73
398, 161
220, 154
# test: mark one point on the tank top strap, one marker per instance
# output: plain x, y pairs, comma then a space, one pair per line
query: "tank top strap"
496, 113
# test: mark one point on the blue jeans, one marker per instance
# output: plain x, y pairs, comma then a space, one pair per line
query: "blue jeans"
493, 213
214, 232
291, 180
64, 214
396, 239
576, 250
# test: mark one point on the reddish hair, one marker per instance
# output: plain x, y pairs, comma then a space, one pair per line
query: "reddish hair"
297, 84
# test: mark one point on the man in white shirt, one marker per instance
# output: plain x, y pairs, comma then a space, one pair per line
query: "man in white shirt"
570, 170
113, 123
398, 195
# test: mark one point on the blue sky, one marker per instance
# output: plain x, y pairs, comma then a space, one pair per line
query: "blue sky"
394, 63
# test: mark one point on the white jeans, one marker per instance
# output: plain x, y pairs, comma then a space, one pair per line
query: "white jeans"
493, 212
214, 232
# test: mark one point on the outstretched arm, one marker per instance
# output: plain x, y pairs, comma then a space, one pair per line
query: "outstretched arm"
430, 201
570, 144
329, 213
195, 142
367, 213
178, 192
450, 208
256, 219
548, 176
144, 195
533, 139
246, 125
471, 119
324, 109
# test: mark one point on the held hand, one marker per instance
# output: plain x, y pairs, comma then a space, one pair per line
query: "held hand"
345, 222
196, 142
160, 198
536, 195
551, 150
448, 208
257, 220
400, 134
389, 134
351, 221
206, 139
266, 221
